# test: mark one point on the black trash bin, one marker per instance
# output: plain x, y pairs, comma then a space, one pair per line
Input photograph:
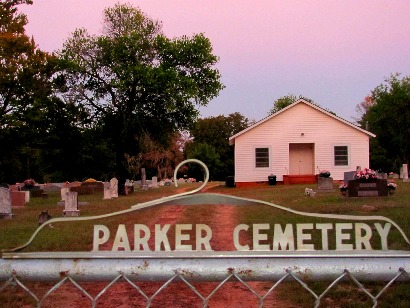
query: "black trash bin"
272, 179
230, 181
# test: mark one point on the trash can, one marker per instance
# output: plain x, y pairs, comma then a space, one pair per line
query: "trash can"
272, 179
230, 181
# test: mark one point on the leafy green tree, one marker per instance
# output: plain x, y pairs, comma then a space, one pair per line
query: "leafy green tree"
135, 81
208, 155
285, 101
25, 95
282, 102
158, 159
25, 70
388, 118
215, 132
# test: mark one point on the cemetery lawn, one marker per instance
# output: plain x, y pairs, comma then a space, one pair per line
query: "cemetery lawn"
70, 236
78, 236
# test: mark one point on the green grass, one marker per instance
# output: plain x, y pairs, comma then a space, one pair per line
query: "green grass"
395, 207
78, 236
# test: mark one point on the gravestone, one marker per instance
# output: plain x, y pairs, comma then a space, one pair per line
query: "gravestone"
129, 186
43, 217
63, 191
107, 190
5, 203
405, 173
114, 187
71, 204
381, 175
154, 182
372, 188
144, 184
325, 184
18, 198
27, 196
349, 175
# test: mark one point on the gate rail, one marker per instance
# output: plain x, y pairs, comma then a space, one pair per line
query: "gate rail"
377, 266
203, 266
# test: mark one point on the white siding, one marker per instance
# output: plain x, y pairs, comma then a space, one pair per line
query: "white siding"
287, 127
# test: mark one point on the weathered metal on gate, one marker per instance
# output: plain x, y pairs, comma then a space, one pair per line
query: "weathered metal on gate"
204, 266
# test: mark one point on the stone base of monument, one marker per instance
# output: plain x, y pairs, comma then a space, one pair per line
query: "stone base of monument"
6, 216
62, 203
71, 213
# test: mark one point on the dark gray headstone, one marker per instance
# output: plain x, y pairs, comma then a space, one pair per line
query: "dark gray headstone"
43, 217
349, 175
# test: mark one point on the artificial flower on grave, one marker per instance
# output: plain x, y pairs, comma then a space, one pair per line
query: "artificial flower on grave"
343, 186
90, 180
365, 174
324, 173
29, 183
391, 185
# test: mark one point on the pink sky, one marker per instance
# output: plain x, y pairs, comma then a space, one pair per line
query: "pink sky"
334, 52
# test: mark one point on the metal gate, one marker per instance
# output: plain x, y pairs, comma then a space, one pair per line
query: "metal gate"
190, 268
221, 267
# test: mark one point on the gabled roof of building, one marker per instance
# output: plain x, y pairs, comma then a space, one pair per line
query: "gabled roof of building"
300, 101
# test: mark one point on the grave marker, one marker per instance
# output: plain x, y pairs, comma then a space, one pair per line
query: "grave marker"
43, 217
107, 190
154, 182
405, 173
5, 203
114, 187
18, 198
63, 191
349, 175
27, 196
144, 184
71, 204
373, 188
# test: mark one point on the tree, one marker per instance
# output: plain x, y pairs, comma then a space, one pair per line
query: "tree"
26, 92
138, 82
362, 109
25, 70
209, 156
388, 117
212, 135
282, 102
162, 160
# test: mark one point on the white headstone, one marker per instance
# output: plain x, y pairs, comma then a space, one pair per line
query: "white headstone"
107, 190
114, 187
63, 191
5, 203
154, 182
27, 197
71, 204
405, 173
